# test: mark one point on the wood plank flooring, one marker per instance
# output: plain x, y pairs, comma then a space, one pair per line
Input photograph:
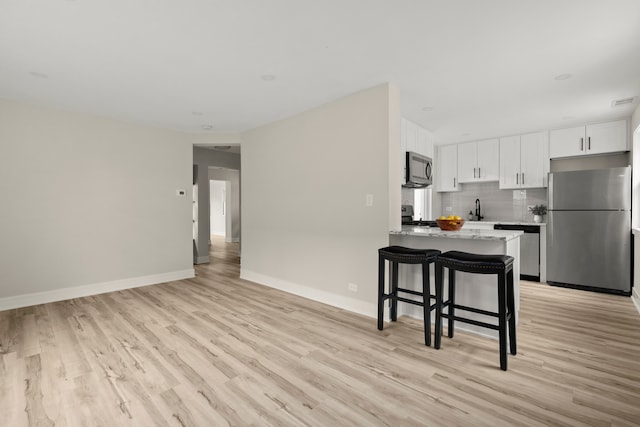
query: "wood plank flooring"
217, 350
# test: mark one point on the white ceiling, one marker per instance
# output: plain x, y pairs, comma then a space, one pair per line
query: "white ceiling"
485, 68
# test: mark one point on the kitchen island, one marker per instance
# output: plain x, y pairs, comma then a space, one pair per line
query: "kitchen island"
475, 290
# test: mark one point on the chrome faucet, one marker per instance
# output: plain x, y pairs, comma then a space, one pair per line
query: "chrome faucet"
478, 214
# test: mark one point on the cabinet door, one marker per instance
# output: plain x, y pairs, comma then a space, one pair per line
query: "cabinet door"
488, 160
510, 162
467, 162
567, 142
447, 168
533, 157
607, 137
411, 136
425, 143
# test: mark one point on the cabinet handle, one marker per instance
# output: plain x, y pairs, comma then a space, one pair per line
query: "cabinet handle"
454, 182
581, 144
522, 178
589, 143
474, 173
517, 178
478, 173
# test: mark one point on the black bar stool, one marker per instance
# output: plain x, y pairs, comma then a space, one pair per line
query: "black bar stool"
502, 266
401, 255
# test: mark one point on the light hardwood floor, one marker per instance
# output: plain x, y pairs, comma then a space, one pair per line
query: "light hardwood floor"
217, 350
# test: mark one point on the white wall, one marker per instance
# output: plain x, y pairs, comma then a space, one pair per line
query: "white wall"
89, 204
232, 177
305, 226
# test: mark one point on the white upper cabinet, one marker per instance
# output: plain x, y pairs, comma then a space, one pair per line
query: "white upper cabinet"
415, 138
425, 143
534, 159
608, 137
478, 161
601, 138
510, 162
447, 168
524, 161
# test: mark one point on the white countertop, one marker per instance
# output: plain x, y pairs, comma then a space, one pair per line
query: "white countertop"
464, 233
471, 223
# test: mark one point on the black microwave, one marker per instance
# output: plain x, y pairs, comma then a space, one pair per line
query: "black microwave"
418, 170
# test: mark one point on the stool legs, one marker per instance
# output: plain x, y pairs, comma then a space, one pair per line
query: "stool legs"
438, 293
393, 303
381, 265
511, 305
452, 302
506, 310
426, 304
502, 319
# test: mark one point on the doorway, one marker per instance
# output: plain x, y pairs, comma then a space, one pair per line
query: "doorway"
218, 207
224, 204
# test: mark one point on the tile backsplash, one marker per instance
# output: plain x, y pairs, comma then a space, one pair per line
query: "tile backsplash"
496, 204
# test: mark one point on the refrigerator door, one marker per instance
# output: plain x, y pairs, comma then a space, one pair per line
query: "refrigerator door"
599, 189
590, 248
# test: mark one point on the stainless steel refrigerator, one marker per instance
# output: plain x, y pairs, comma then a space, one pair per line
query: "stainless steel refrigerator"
589, 230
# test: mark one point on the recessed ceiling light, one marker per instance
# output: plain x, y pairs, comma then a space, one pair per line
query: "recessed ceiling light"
196, 113
465, 134
427, 108
563, 76
268, 77
39, 75
568, 117
207, 127
222, 147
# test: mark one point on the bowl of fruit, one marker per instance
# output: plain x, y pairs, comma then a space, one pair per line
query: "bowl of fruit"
450, 223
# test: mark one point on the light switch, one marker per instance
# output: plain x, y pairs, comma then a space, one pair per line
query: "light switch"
369, 200
181, 193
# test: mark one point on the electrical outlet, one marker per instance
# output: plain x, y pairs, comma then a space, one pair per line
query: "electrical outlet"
352, 287
448, 209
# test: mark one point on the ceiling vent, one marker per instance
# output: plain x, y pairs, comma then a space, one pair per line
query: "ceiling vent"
624, 101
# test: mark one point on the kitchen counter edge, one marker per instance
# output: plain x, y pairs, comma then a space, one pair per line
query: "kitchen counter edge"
471, 234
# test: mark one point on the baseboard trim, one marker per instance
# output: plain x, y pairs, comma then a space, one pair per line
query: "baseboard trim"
340, 301
635, 297
203, 260
27, 300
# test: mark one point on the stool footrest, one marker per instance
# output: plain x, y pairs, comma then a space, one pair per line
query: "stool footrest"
471, 321
410, 291
471, 309
414, 302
